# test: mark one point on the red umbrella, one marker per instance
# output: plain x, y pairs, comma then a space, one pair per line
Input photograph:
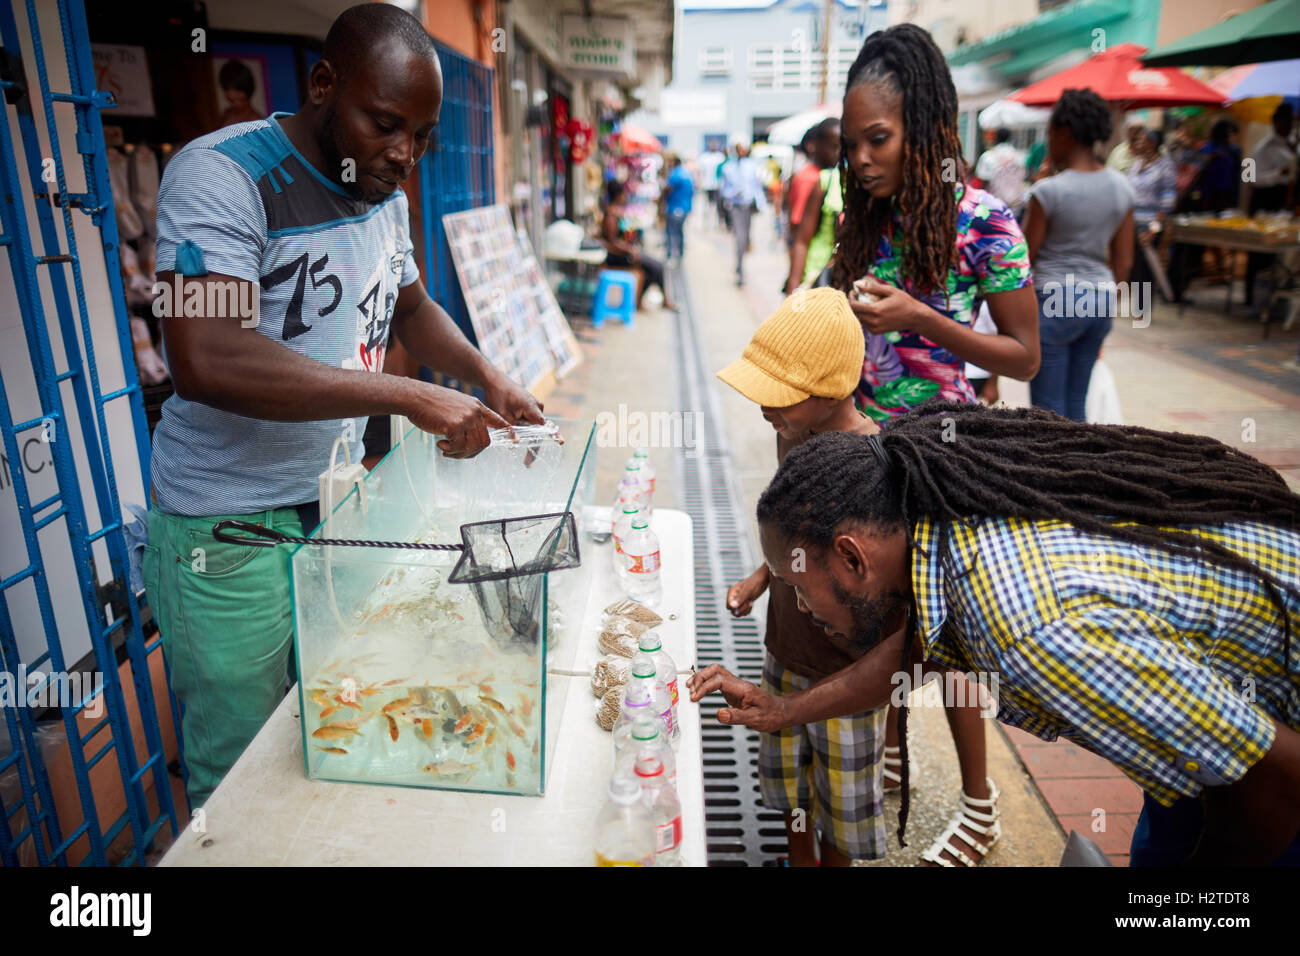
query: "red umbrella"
1118, 76
634, 139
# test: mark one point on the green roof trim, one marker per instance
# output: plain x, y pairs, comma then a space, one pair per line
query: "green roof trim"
1028, 38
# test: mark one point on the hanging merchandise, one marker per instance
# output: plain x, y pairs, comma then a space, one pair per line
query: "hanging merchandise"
580, 136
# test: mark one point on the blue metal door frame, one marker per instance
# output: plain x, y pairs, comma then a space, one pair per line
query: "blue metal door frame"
456, 172
60, 253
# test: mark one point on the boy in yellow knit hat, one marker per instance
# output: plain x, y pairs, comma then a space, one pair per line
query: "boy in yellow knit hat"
802, 367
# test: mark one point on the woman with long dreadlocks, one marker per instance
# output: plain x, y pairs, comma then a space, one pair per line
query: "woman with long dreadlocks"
1134, 591
917, 250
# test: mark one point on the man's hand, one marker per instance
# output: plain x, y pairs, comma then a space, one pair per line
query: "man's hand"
463, 419
512, 402
750, 705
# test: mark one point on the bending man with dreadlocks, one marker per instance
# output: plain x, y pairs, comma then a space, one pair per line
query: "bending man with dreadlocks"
1134, 591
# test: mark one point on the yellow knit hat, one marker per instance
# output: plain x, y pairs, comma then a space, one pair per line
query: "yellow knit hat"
811, 345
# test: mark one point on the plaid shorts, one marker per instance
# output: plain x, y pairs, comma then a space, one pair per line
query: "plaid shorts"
832, 768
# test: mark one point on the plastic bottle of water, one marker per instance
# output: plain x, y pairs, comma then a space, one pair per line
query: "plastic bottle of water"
636, 467
632, 485
642, 455
638, 701
643, 667
665, 672
641, 554
645, 737
622, 530
625, 828
660, 799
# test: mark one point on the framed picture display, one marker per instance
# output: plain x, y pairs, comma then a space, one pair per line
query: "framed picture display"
519, 325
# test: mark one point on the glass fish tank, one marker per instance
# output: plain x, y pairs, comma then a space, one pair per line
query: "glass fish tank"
408, 679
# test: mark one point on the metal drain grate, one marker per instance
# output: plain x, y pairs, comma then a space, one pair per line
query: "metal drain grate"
741, 832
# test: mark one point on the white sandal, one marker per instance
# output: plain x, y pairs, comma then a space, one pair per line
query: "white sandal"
893, 769
985, 824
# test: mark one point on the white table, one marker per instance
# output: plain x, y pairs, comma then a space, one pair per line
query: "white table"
266, 812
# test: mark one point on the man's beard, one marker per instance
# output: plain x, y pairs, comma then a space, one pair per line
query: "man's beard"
327, 139
869, 614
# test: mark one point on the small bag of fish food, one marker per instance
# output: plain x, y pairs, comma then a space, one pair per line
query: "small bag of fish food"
609, 707
635, 611
618, 635
610, 672
861, 294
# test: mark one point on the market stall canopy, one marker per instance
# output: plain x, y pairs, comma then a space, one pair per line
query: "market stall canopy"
1118, 76
634, 139
790, 131
1009, 114
1266, 33
1254, 91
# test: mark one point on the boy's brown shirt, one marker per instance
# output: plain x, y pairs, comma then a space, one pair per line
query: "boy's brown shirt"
793, 639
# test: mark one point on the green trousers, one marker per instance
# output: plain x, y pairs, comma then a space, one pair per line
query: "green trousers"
226, 620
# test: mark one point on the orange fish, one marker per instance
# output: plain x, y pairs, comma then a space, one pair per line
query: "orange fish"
392, 726
398, 704
392, 683
510, 760
479, 729
534, 748
492, 735
493, 703
519, 731
346, 703
526, 704
485, 687
335, 731
463, 722
427, 726
328, 710
321, 699
332, 750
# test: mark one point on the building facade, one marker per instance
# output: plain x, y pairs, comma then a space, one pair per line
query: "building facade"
741, 65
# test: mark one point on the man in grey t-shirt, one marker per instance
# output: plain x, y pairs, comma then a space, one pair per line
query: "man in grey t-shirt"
301, 221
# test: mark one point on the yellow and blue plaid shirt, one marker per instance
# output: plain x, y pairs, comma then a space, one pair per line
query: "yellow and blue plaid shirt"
1168, 666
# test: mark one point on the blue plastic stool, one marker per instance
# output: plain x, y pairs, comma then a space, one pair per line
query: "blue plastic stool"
621, 288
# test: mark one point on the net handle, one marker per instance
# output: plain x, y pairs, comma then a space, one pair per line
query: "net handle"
263, 537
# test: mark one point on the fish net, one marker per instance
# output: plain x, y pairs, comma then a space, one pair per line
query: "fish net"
503, 561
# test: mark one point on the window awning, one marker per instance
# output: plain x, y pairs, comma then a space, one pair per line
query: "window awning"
1019, 50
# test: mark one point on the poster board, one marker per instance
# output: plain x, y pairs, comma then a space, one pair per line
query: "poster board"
518, 323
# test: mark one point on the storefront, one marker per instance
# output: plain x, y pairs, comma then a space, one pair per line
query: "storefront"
82, 377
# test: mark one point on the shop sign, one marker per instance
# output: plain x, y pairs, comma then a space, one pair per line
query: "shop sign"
599, 46
693, 107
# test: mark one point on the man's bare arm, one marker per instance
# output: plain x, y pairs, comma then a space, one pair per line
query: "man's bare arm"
217, 361
1252, 822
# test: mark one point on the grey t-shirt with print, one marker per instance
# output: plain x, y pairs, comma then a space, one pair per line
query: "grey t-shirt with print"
1083, 211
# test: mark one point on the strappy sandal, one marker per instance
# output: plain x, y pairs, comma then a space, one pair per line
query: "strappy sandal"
977, 816
893, 771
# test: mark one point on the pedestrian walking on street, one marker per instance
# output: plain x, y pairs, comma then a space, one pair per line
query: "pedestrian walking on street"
1079, 228
820, 203
917, 250
679, 196
1126, 587
744, 195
